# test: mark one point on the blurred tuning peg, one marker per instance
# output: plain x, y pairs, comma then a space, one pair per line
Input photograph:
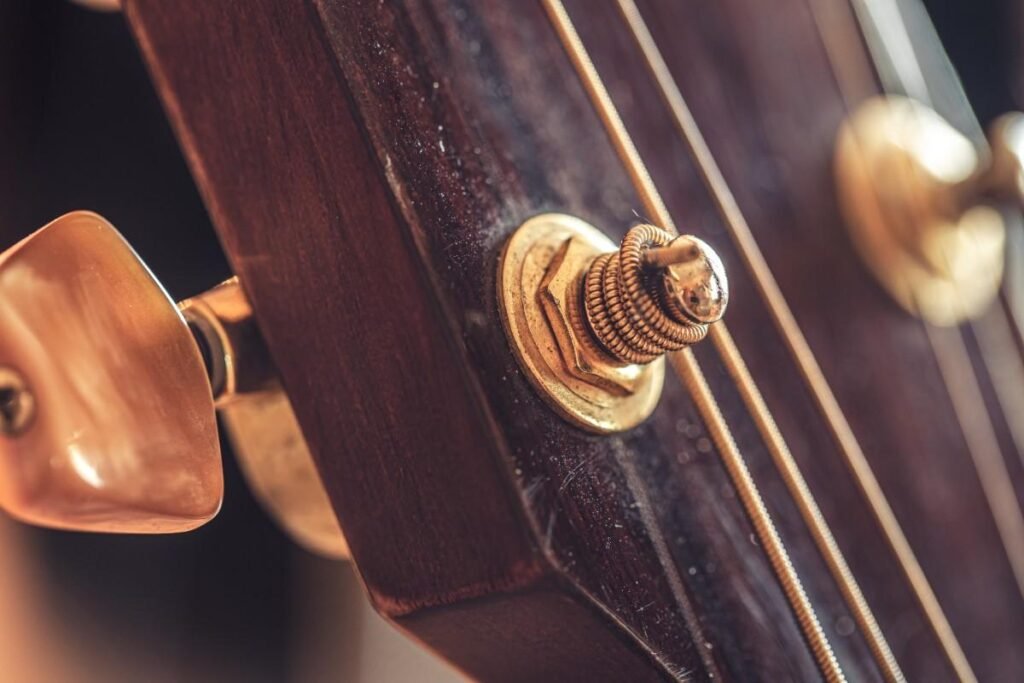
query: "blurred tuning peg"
922, 203
108, 394
1004, 176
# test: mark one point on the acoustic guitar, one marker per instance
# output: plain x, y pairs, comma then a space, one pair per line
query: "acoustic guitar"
629, 340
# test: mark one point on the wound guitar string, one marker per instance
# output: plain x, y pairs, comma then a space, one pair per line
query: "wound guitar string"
686, 364
788, 328
895, 51
837, 28
899, 48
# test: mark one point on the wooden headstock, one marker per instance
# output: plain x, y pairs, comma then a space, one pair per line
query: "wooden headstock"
788, 510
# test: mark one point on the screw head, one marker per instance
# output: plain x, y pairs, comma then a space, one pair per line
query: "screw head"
17, 404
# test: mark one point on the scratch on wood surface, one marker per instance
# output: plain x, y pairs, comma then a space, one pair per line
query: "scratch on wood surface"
576, 470
550, 528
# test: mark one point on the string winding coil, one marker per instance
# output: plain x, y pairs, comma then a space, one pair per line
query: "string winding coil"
627, 307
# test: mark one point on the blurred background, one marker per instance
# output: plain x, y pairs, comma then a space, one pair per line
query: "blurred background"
80, 127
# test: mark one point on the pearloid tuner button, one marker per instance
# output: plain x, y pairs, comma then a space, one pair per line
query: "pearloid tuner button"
108, 421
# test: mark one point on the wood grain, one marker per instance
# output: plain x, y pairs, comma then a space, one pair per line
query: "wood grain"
364, 162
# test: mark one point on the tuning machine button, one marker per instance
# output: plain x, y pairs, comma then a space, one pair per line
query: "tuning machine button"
590, 323
921, 202
108, 394
121, 435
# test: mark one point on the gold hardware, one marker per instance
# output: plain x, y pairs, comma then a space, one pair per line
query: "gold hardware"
912, 190
108, 391
259, 421
590, 325
123, 438
232, 346
636, 318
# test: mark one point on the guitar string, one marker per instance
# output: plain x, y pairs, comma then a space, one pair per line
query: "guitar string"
982, 443
892, 39
1012, 295
1002, 335
996, 339
964, 389
728, 351
685, 364
856, 81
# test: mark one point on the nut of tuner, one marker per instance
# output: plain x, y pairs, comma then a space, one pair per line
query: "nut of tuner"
122, 435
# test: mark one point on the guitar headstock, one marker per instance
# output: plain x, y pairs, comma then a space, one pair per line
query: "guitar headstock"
422, 203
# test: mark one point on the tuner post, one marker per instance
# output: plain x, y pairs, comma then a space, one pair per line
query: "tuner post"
590, 323
654, 295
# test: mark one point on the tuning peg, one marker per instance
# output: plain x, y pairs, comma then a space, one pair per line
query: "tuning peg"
110, 423
921, 202
108, 392
591, 323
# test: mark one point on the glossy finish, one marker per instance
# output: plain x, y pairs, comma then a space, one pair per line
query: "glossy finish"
540, 297
258, 419
124, 437
908, 184
694, 277
390, 150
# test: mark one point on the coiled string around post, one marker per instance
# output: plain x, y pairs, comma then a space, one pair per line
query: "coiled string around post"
628, 309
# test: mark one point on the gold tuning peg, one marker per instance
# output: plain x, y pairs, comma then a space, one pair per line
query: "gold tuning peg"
108, 392
920, 200
591, 323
